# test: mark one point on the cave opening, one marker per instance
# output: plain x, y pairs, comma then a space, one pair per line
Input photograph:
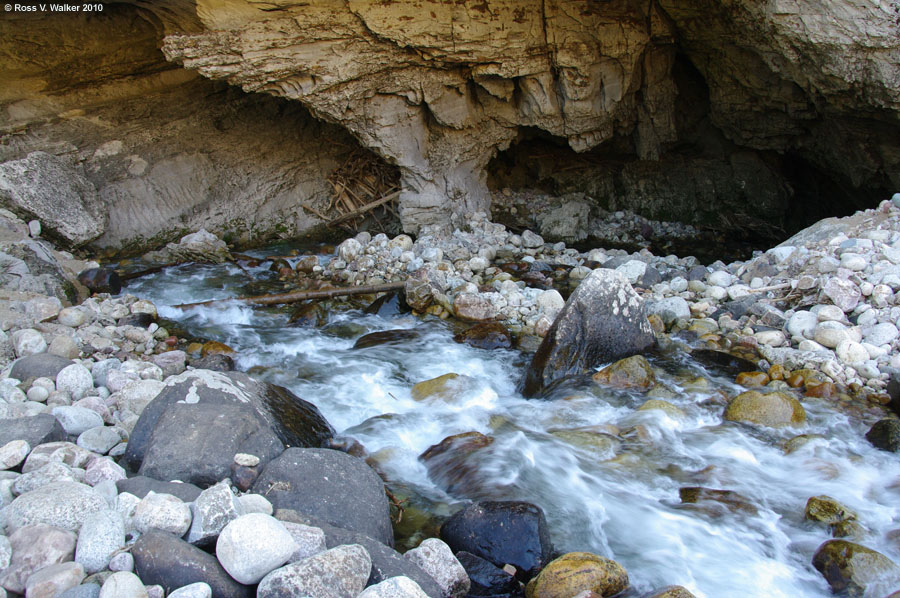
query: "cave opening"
723, 200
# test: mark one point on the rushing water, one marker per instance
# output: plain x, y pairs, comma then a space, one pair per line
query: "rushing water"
625, 506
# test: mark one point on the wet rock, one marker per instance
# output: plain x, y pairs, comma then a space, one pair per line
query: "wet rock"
716, 502
630, 373
61, 504
885, 434
194, 427
33, 548
854, 569
340, 572
774, 410
330, 485
163, 559
502, 532
41, 365
101, 535
35, 430
140, 486
577, 572
436, 559
602, 321
139, 320
670, 592
486, 578
395, 587
217, 362
385, 337
598, 442
752, 379
666, 407
101, 280
311, 314
51, 581
487, 335
449, 462
827, 510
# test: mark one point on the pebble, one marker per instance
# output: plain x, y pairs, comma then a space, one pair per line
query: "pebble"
64, 346
38, 394
884, 333
830, 334
252, 546
123, 584
76, 420
13, 453
850, 352
72, 317
195, 590
28, 342
122, 561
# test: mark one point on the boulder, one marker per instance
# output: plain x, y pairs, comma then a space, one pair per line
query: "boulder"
395, 587
33, 548
51, 581
435, 558
201, 419
775, 410
50, 189
61, 504
486, 578
35, 429
39, 365
201, 246
670, 592
502, 532
211, 511
141, 485
577, 572
386, 562
340, 572
487, 335
161, 558
253, 545
102, 534
885, 434
330, 485
854, 569
603, 320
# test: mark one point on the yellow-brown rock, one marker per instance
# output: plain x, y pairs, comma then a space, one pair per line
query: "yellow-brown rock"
775, 410
577, 572
630, 373
752, 379
214, 348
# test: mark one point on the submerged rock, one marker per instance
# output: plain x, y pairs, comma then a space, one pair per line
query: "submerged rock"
630, 373
450, 462
487, 335
885, 434
603, 320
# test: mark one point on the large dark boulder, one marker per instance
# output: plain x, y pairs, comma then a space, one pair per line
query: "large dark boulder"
163, 559
331, 485
193, 428
487, 579
885, 434
35, 430
386, 562
502, 532
603, 320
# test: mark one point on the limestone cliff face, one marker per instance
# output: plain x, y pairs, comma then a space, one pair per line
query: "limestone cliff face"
439, 87
802, 90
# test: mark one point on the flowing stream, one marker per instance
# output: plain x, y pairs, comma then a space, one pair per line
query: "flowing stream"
618, 497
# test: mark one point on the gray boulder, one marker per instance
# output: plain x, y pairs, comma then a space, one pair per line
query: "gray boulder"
48, 188
39, 365
330, 485
35, 430
340, 572
61, 504
101, 535
603, 320
201, 419
141, 485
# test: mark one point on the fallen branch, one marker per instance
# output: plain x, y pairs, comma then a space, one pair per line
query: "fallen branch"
366, 208
301, 295
774, 287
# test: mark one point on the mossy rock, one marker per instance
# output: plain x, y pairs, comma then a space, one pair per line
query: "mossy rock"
853, 569
666, 407
577, 572
630, 373
825, 509
601, 444
775, 410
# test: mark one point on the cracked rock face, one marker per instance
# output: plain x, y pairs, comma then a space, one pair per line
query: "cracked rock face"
438, 88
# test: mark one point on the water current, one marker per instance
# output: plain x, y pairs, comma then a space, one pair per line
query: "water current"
614, 496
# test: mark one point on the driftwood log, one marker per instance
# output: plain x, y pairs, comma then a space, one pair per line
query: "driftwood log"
293, 297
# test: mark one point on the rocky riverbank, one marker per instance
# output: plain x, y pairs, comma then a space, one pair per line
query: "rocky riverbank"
103, 411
